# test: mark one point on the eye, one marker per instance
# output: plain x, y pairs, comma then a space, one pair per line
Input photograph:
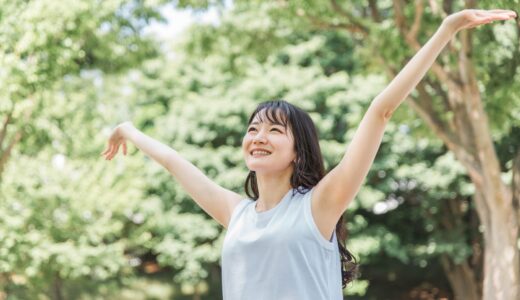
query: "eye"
277, 130
251, 128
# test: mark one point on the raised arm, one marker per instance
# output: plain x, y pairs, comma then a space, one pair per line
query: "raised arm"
339, 187
401, 86
215, 200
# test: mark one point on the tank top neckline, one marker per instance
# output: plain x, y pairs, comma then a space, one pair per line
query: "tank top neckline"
272, 210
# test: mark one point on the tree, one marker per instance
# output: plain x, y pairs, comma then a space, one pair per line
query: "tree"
450, 102
42, 44
43, 41
320, 55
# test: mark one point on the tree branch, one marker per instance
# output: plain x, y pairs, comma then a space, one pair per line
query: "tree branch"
426, 111
436, 10
412, 42
321, 24
470, 4
7, 152
353, 20
515, 185
435, 85
447, 132
4, 156
447, 7
419, 11
447, 104
4, 127
479, 124
374, 11
399, 18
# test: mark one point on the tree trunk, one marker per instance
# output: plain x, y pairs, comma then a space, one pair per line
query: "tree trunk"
462, 276
196, 293
501, 259
465, 132
468, 136
462, 279
4, 285
56, 290
516, 184
494, 200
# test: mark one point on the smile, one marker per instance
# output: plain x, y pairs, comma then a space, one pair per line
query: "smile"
258, 153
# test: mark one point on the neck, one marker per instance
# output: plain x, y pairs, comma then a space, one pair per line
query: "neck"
271, 189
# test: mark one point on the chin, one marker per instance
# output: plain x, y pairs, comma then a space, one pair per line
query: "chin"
259, 168
263, 169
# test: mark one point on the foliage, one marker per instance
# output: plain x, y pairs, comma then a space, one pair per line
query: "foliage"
79, 226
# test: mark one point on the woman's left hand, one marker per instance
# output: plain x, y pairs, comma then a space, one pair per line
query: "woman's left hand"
470, 18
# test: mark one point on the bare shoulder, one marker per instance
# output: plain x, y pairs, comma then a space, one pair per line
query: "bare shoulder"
324, 213
232, 200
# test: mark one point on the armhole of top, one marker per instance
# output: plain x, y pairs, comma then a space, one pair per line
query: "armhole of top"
238, 208
329, 245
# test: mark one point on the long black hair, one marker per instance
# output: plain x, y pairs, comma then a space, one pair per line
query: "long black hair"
308, 167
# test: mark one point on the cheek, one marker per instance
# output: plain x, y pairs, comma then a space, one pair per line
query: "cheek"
245, 142
285, 148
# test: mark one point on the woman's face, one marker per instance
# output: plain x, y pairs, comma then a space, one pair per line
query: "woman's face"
275, 139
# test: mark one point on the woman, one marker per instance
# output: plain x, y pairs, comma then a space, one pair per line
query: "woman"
282, 241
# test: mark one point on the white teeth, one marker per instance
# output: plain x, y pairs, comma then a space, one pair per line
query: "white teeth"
260, 152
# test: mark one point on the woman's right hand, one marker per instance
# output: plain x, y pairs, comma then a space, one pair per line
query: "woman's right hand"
117, 138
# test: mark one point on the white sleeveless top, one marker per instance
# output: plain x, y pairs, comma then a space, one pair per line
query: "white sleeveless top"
279, 254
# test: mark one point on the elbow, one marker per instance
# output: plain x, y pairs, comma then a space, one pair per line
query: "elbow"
384, 113
387, 114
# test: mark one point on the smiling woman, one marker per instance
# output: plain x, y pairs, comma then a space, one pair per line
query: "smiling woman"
285, 240
269, 131
295, 164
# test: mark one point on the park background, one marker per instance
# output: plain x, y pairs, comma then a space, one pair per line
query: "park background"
436, 218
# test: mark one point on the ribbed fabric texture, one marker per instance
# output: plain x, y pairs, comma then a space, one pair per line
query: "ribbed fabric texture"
279, 254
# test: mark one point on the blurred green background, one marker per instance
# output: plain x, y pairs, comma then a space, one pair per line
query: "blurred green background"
189, 73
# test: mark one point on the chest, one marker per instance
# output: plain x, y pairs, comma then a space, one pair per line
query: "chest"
282, 230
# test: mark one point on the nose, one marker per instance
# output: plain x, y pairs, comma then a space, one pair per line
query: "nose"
259, 137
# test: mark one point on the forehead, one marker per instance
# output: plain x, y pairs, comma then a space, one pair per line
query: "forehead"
270, 116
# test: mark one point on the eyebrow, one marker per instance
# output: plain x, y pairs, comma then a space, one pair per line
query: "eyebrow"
279, 124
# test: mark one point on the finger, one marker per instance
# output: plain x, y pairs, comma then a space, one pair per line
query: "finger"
110, 152
495, 13
124, 148
114, 153
105, 153
498, 17
508, 14
106, 150
502, 11
482, 13
503, 17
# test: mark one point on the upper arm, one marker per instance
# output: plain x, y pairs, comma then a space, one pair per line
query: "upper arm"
338, 188
215, 200
232, 199
219, 203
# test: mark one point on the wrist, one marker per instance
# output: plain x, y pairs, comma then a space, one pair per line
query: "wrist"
126, 129
448, 29
450, 26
